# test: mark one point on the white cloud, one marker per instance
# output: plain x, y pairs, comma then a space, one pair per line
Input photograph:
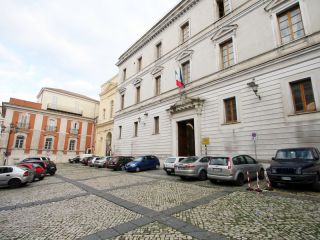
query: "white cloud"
70, 44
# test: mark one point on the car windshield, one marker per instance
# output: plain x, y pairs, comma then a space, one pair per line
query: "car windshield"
114, 159
189, 160
292, 154
222, 161
170, 160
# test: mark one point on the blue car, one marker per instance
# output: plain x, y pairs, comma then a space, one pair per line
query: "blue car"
143, 163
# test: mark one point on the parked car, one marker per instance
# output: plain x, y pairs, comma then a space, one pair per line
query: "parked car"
48, 165
234, 168
38, 171
85, 160
99, 163
296, 165
93, 160
76, 159
119, 163
84, 156
143, 163
194, 166
169, 164
15, 176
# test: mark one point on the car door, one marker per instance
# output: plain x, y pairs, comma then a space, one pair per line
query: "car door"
240, 165
203, 163
252, 166
5, 175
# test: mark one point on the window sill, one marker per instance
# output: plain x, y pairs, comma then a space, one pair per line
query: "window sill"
154, 134
302, 113
230, 123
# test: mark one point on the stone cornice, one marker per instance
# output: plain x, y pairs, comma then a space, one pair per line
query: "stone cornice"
178, 11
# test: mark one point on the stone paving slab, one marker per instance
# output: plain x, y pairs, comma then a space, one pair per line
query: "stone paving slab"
250, 215
69, 219
154, 231
83, 175
162, 195
105, 183
27, 194
47, 180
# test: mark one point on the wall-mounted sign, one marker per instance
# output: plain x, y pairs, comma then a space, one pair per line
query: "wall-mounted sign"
254, 136
205, 141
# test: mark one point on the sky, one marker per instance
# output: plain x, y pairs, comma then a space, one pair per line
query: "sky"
68, 44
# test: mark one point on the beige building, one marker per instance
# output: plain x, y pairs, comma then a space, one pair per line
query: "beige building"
105, 120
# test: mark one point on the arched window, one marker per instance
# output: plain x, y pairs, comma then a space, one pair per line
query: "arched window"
72, 145
19, 142
48, 144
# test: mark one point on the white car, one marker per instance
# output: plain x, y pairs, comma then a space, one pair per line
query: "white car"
169, 164
14, 176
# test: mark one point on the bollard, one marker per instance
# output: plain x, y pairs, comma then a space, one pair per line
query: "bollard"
269, 187
249, 188
258, 189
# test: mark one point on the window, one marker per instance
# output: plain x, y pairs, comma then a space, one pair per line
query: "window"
120, 131
139, 64
230, 110
157, 85
19, 142
72, 145
48, 144
158, 50
223, 7
124, 74
250, 160
185, 31
51, 125
290, 25
111, 108
156, 125
185, 72
104, 113
302, 94
24, 121
138, 94
135, 129
227, 54
122, 101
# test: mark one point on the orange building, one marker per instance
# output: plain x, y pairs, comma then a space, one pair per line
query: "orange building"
58, 131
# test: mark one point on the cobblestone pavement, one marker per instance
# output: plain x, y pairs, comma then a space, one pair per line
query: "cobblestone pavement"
89, 203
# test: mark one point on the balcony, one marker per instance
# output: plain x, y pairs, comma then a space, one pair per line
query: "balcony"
23, 126
74, 131
64, 109
51, 128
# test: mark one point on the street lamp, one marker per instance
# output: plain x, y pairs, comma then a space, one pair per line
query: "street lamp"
254, 87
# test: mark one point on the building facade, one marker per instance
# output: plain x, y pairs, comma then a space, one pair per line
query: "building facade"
47, 129
104, 129
250, 71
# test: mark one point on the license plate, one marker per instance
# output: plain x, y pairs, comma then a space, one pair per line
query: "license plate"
216, 169
286, 178
169, 170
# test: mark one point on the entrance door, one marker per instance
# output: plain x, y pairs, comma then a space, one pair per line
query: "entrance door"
108, 144
186, 143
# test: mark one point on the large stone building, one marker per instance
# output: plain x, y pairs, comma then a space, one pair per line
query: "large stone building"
103, 139
60, 125
251, 74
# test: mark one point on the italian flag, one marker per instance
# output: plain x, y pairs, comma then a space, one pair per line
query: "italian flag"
179, 82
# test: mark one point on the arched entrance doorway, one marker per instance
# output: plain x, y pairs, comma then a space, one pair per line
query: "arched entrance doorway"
108, 144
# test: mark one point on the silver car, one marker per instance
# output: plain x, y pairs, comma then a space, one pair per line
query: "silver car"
99, 163
169, 164
235, 168
14, 176
193, 167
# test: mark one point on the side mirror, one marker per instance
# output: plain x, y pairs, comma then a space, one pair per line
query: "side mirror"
273, 158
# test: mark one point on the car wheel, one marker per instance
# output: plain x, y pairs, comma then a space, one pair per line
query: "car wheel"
240, 179
202, 175
213, 180
261, 174
183, 177
41, 178
14, 183
169, 173
137, 169
157, 166
123, 168
316, 184
52, 173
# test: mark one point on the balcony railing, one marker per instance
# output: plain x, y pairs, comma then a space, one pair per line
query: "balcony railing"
51, 128
74, 131
64, 109
23, 125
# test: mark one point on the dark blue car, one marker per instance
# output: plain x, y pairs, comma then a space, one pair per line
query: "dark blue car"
143, 163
